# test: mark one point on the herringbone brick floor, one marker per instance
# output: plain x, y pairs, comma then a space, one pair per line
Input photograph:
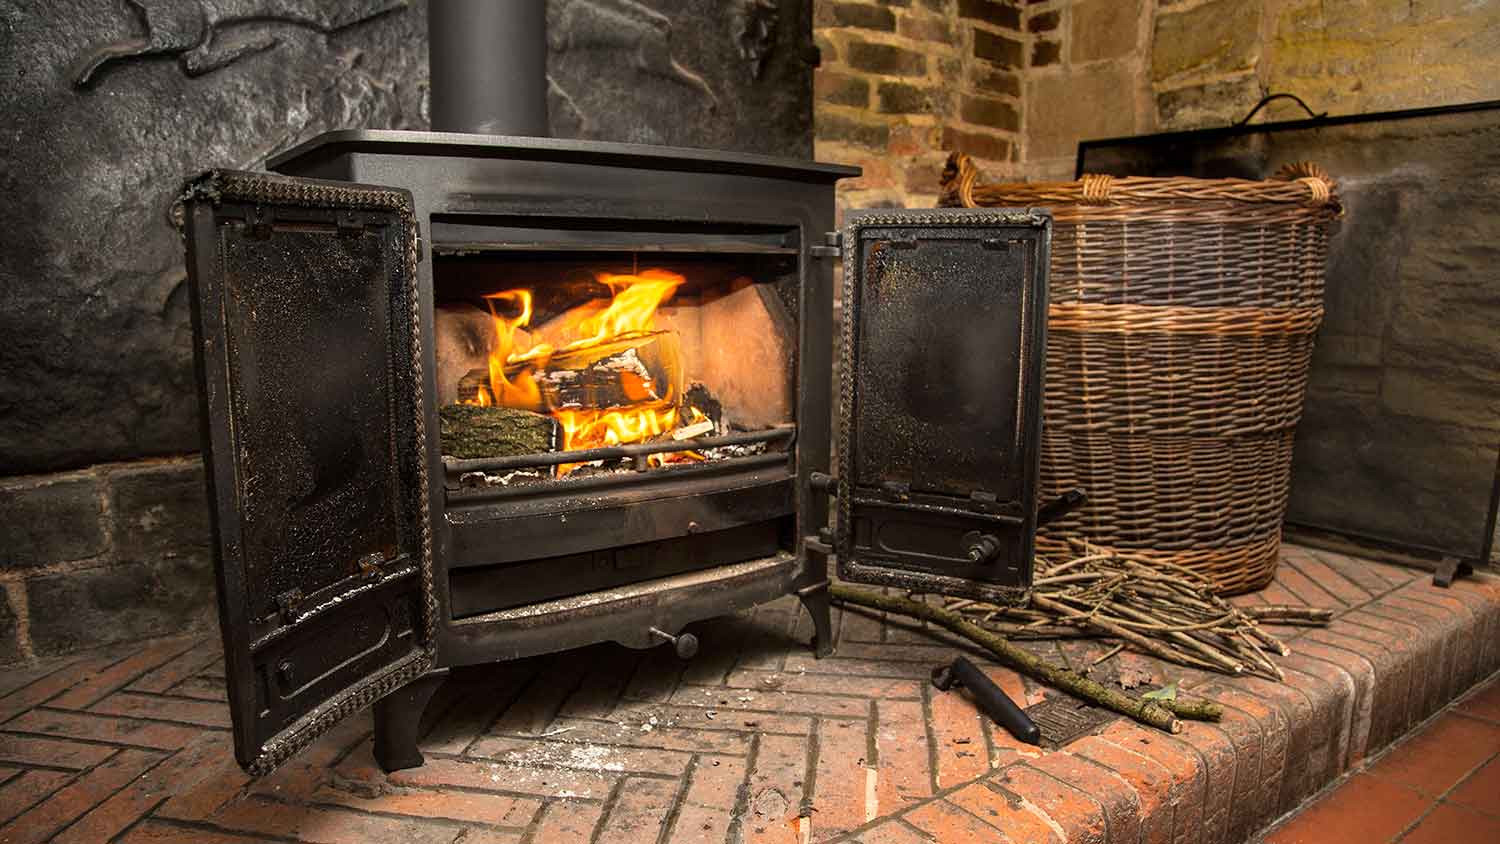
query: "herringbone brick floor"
752, 741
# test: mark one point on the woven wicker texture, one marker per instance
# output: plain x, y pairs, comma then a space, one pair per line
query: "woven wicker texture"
1179, 335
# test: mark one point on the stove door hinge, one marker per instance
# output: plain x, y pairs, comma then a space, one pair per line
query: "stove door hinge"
832, 246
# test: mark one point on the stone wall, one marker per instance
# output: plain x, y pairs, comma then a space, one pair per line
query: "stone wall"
902, 82
1104, 68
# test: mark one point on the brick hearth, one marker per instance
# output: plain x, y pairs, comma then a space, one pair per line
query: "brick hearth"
752, 741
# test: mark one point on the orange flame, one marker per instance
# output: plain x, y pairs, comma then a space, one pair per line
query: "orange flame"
631, 311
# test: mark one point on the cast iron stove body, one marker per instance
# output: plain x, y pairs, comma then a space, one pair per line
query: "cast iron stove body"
357, 562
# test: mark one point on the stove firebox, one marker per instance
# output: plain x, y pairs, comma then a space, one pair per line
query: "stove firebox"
538, 394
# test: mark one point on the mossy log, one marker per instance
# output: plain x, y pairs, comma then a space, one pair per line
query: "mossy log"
470, 431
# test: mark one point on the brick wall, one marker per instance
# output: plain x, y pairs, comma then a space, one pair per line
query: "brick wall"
902, 82
110, 553
1103, 68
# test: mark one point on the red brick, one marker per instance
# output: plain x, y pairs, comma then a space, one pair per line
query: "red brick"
1345, 590
1150, 779
185, 666
177, 775
1122, 806
95, 686
656, 676
1256, 805
639, 812
1333, 687
202, 688
842, 770
859, 625
707, 807
947, 822
890, 832
789, 702
62, 678
42, 821
901, 745
775, 790
1079, 816
1361, 810
107, 728
1182, 763
581, 756
662, 735
452, 804
958, 731
1361, 572
157, 832
1223, 767
327, 826
487, 776
210, 779
154, 707
1307, 742
1432, 648
1359, 675
20, 793
922, 654
1006, 812
601, 689
1310, 591
1395, 686
568, 822
1440, 755
476, 700
835, 683
1459, 625
52, 753
695, 717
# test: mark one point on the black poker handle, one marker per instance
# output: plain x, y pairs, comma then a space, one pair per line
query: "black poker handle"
990, 698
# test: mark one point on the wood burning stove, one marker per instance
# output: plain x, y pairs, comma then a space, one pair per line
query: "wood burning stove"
357, 560
470, 398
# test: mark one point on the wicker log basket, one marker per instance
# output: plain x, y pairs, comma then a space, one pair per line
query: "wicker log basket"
1180, 329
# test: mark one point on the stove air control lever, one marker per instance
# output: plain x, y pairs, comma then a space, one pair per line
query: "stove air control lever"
685, 643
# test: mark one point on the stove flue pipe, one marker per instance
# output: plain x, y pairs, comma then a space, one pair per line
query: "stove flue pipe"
488, 65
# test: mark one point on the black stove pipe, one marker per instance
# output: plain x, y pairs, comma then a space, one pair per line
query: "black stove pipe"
488, 65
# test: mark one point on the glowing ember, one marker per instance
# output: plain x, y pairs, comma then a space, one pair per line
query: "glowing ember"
609, 378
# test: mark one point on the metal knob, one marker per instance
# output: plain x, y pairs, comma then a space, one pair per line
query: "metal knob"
981, 546
686, 644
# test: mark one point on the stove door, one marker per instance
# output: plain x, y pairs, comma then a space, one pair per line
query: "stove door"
309, 373
940, 399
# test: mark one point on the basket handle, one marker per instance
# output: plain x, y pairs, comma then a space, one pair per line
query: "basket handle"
959, 177
1320, 186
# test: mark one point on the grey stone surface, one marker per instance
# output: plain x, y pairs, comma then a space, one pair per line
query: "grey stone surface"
131, 601
160, 511
111, 104
10, 642
50, 520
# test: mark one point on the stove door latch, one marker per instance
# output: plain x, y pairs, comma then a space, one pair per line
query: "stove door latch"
832, 246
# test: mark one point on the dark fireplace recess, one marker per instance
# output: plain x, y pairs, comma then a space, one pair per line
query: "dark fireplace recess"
470, 398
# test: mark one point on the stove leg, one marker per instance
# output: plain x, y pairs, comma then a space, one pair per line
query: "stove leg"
816, 599
397, 719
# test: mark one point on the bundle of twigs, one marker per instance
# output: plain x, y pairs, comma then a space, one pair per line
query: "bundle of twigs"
1161, 609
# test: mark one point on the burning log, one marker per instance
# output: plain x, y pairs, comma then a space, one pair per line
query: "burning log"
624, 371
471, 431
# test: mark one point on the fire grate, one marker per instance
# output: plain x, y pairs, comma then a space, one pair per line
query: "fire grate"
1063, 719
